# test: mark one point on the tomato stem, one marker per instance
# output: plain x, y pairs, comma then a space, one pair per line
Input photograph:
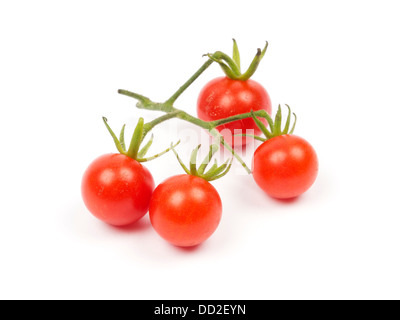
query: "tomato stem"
251, 135
258, 113
208, 125
231, 67
176, 95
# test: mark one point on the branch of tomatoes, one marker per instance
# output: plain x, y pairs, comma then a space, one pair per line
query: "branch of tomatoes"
118, 190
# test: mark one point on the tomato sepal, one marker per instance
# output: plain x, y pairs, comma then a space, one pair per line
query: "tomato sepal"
274, 125
231, 66
134, 150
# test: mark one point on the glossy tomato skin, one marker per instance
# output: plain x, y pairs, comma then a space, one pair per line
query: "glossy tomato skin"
117, 189
223, 97
285, 166
185, 210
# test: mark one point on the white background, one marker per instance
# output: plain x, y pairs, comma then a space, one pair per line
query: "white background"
336, 63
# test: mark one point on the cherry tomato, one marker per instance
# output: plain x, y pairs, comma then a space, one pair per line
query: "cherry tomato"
117, 189
224, 97
285, 166
185, 210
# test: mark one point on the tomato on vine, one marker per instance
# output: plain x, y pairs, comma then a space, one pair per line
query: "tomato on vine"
285, 165
186, 209
233, 94
117, 188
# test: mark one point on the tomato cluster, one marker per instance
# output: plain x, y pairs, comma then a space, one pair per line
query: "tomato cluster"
186, 209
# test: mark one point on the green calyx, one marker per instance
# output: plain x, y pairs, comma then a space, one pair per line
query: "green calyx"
275, 126
231, 66
134, 151
215, 172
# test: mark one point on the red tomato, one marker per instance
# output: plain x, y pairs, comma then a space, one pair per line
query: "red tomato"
285, 166
185, 210
224, 97
117, 189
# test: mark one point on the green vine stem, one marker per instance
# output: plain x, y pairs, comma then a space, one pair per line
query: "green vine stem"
172, 112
